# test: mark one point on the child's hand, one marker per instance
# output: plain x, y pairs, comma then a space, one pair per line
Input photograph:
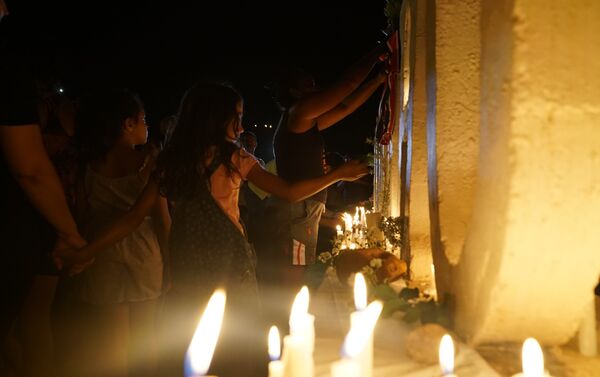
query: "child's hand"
353, 170
71, 259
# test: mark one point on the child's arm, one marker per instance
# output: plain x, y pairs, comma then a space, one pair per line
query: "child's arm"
121, 228
297, 191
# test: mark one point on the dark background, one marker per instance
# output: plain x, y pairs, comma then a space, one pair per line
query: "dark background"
159, 49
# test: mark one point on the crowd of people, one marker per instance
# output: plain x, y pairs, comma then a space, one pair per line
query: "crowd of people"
113, 243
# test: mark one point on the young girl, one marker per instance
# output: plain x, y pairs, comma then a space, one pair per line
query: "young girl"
200, 172
120, 289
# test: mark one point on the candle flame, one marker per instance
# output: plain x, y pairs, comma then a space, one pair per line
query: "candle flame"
274, 343
347, 222
532, 358
446, 355
300, 305
360, 291
338, 228
204, 341
359, 335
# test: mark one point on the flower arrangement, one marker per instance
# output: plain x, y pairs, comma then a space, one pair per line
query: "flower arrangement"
371, 250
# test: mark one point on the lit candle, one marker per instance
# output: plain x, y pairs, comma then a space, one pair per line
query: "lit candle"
356, 216
446, 356
433, 284
357, 319
299, 345
347, 222
363, 217
338, 229
532, 359
352, 246
204, 341
355, 342
275, 366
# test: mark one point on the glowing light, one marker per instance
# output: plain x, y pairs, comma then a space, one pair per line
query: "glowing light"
274, 343
532, 358
202, 346
360, 292
359, 335
446, 355
299, 309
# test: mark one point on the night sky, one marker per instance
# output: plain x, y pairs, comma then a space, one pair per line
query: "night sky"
158, 49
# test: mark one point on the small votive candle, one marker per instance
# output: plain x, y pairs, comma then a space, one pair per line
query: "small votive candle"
532, 359
276, 366
446, 356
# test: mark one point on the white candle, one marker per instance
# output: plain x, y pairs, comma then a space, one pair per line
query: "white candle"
276, 366
363, 217
347, 222
345, 368
357, 318
446, 356
356, 216
338, 230
204, 341
355, 342
299, 345
532, 359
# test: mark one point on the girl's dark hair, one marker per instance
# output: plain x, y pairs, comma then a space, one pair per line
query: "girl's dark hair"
99, 121
204, 113
286, 78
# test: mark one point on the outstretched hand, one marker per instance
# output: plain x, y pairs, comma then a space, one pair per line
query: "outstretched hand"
353, 170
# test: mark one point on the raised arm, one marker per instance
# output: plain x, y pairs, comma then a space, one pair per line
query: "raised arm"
30, 165
351, 103
314, 105
297, 191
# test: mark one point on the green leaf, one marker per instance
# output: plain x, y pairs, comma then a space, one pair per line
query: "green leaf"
394, 305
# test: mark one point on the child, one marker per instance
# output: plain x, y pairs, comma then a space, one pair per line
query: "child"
120, 289
200, 172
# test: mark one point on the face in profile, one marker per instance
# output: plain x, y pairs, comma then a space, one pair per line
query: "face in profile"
235, 128
138, 129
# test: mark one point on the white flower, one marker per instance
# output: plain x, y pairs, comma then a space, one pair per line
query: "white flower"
325, 257
375, 263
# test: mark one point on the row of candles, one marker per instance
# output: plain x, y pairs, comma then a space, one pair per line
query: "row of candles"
298, 347
355, 228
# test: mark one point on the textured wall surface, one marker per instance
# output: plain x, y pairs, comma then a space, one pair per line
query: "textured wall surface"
532, 256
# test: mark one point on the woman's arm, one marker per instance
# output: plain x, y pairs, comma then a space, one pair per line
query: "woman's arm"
297, 191
312, 106
25, 156
351, 103
121, 228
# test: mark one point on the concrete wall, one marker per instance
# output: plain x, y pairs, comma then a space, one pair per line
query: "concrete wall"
532, 255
